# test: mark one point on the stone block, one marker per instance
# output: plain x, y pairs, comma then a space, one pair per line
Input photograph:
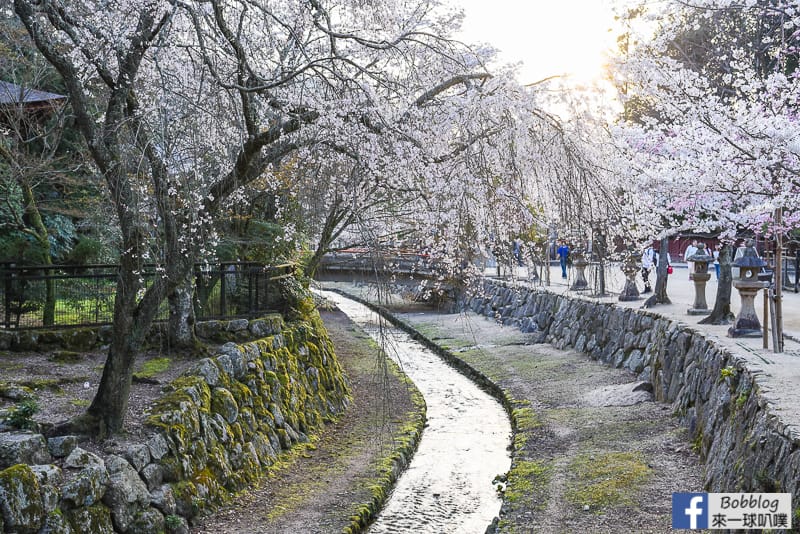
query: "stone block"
237, 325
127, 495
146, 521
153, 475
163, 499
55, 523
80, 339
21, 506
90, 519
80, 458
86, 489
208, 369
208, 329
23, 448
157, 446
61, 446
26, 340
138, 455
7, 340
223, 403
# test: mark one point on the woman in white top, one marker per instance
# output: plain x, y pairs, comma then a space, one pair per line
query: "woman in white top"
691, 250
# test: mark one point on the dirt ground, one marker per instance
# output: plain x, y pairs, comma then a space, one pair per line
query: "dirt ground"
64, 383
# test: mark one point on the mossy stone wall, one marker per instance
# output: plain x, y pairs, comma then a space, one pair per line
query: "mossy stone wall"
735, 427
212, 434
230, 418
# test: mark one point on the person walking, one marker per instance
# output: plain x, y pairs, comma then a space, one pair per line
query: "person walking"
691, 250
563, 256
715, 254
648, 262
517, 251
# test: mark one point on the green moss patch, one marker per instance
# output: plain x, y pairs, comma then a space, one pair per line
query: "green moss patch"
527, 482
607, 479
66, 356
152, 368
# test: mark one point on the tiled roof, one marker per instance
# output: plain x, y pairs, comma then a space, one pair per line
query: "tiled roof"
11, 93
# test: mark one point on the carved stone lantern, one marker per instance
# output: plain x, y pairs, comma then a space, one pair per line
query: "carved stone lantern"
580, 263
631, 267
748, 285
700, 275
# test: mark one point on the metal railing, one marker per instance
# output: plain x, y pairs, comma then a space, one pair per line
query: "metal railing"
54, 296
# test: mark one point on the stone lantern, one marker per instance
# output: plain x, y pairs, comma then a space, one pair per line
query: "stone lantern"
580, 263
748, 285
631, 267
700, 275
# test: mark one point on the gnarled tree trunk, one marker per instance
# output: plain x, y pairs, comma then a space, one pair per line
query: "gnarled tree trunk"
659, 295
722, 314
181, 314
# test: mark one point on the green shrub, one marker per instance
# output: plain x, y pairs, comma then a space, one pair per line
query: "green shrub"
21, 415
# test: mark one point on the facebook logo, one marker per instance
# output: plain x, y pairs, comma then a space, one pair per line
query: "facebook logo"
689, 510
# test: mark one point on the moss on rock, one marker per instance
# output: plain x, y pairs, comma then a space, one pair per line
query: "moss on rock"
21, 502
228, 421
94, 519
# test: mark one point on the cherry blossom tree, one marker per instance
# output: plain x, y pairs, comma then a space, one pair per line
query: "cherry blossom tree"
181, 104
717, 149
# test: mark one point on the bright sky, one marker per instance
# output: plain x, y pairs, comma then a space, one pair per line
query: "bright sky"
550, 37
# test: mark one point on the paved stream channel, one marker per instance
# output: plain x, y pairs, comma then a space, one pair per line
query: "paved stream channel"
448, 485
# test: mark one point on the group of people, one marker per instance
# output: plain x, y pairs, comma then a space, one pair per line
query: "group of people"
650, 258
692, 249
650, 261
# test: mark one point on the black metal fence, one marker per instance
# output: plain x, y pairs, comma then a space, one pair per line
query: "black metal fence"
45, 296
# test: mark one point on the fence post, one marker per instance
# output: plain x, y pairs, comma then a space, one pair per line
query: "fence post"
7, 293
251, 278
222, 291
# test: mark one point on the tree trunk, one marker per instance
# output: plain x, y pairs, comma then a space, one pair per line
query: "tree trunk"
132, 321
722, 314
599, 244
659, 295
34, 218
601, 279
181, 315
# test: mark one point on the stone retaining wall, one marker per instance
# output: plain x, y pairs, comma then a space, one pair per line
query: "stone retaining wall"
213, 434
735, 428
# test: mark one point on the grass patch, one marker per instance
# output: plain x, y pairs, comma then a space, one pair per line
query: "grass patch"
607, 479
151, 368
527, 480
526, 419
80, 403
21, 415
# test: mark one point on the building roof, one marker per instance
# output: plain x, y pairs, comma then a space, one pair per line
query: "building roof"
11, 93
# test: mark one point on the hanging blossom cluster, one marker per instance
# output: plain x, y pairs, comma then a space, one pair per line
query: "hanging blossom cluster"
369, 109
712, 136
